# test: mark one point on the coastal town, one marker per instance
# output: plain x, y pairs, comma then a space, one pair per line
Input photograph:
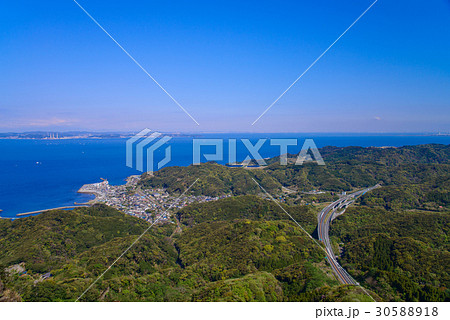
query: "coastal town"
148, 204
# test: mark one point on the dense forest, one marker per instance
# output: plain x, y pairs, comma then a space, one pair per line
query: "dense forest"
214, 180
424, 170
60, 253
401, 255
393, 240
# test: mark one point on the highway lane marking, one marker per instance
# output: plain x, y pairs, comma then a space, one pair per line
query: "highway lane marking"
341, 274
318, 244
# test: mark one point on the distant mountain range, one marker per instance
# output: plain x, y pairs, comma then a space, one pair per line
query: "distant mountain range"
53, 135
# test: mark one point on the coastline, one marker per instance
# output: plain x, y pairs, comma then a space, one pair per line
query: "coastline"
44, 210
36, 163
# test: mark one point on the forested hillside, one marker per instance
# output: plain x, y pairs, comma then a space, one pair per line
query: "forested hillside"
214, 179
55, 256
401, 255
424, 170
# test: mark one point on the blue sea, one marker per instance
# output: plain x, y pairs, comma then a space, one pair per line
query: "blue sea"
42, 174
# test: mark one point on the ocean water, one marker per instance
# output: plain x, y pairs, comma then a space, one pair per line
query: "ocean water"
43, 174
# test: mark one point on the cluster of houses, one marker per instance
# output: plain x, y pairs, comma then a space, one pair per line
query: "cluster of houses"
147, 204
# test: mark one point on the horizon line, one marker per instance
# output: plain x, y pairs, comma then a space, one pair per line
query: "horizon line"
228, 132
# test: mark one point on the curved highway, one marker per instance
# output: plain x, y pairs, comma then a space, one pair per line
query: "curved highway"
324, 219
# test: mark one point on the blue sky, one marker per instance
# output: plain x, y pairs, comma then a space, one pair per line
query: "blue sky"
225, 62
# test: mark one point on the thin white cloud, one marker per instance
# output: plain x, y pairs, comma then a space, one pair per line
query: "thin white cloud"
29, 124
50, 122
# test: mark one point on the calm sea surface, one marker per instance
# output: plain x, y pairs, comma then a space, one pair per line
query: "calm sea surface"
41, 174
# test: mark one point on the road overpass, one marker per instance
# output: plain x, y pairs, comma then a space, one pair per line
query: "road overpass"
324, 220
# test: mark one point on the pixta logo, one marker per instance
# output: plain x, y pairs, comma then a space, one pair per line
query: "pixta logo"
308, 153
144, 145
